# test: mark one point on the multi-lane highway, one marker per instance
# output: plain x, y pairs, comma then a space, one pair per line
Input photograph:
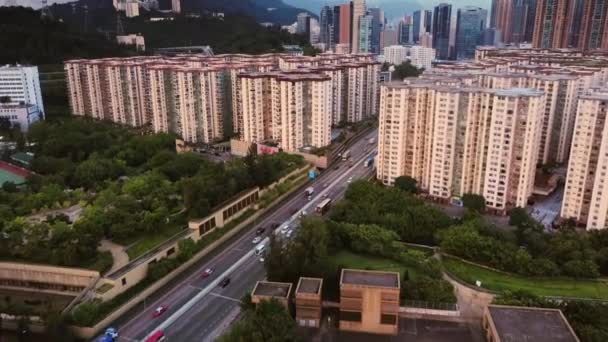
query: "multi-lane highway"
199, 309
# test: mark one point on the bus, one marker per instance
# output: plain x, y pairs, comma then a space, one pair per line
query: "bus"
323, 207
346, 155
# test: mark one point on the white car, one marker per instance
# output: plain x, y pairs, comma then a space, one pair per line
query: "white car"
350, 179
256, 239
285, 229
289, 232
302, 213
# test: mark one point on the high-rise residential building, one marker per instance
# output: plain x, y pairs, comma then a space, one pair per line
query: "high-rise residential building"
131, 9
357, 11
421, 56
552, 21
455, 140
365, 33
469, 24
176, 6
405, 30
593, 33
326, 31
20, 85
513, 20
421, 23
586, 197
205, 98
442, 17
345, 23
303, 27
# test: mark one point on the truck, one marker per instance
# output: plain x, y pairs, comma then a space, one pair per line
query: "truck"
369, 161
309, 191
346, 155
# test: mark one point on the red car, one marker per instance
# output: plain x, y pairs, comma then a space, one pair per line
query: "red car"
159, 310
207, 272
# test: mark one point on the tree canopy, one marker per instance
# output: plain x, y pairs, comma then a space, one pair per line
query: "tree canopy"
268, 321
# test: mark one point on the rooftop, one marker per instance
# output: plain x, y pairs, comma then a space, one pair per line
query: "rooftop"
271, 289
531, 324
370, 278
309, 285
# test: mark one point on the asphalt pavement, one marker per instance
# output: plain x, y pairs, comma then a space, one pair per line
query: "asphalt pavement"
198, 312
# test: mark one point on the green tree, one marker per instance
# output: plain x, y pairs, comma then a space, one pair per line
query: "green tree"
9, 187
187, 248
518, 217
474, 202
406, 183
269, 322
406, 69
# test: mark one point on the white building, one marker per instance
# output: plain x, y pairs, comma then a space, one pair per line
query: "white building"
136, 40
421, 57
22, 115
22, 85
395, 54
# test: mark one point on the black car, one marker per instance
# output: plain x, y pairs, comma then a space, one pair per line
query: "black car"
274, 225
260, 231
336, 167
225, 282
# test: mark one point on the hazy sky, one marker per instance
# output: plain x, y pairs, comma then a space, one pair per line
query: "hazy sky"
392, 8
32, 3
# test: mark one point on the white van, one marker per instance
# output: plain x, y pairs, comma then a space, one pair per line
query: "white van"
259, 249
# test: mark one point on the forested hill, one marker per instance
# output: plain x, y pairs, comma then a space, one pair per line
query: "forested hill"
26, 38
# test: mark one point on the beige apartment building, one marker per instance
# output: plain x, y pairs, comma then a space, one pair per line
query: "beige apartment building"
585, 197
455, 140
202, 99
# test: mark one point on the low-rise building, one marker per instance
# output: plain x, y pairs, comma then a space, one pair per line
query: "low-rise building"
309, 302
511, 323
369, 301
267, 290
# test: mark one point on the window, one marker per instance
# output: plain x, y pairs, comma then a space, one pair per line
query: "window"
351, 316
388, 319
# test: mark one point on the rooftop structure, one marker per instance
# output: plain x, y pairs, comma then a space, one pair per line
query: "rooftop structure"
266, 290
308, 302
370, 278
510, 323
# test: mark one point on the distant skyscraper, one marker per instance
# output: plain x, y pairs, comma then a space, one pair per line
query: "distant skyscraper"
389, 36
405, 30
377, 25
441, 30
303, 24
421, 23
551, 23
469, 24
345, 23
326, 26
593, 25
365, 33
357, 11
514, 19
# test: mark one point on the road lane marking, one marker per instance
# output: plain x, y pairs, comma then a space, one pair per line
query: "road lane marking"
224, 297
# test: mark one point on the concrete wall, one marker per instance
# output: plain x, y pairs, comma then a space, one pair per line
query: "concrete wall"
318, 161
63, 280
239, 147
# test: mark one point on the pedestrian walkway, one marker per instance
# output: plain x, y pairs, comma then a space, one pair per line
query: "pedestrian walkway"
120, 257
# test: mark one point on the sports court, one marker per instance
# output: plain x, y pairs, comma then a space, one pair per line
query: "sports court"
12, 173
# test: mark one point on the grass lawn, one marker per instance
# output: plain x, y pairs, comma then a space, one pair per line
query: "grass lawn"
148, 242
348, 259
560, 287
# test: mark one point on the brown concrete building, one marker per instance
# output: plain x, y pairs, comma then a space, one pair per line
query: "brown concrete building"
512, 323
308, 302
267, 290
369, 301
